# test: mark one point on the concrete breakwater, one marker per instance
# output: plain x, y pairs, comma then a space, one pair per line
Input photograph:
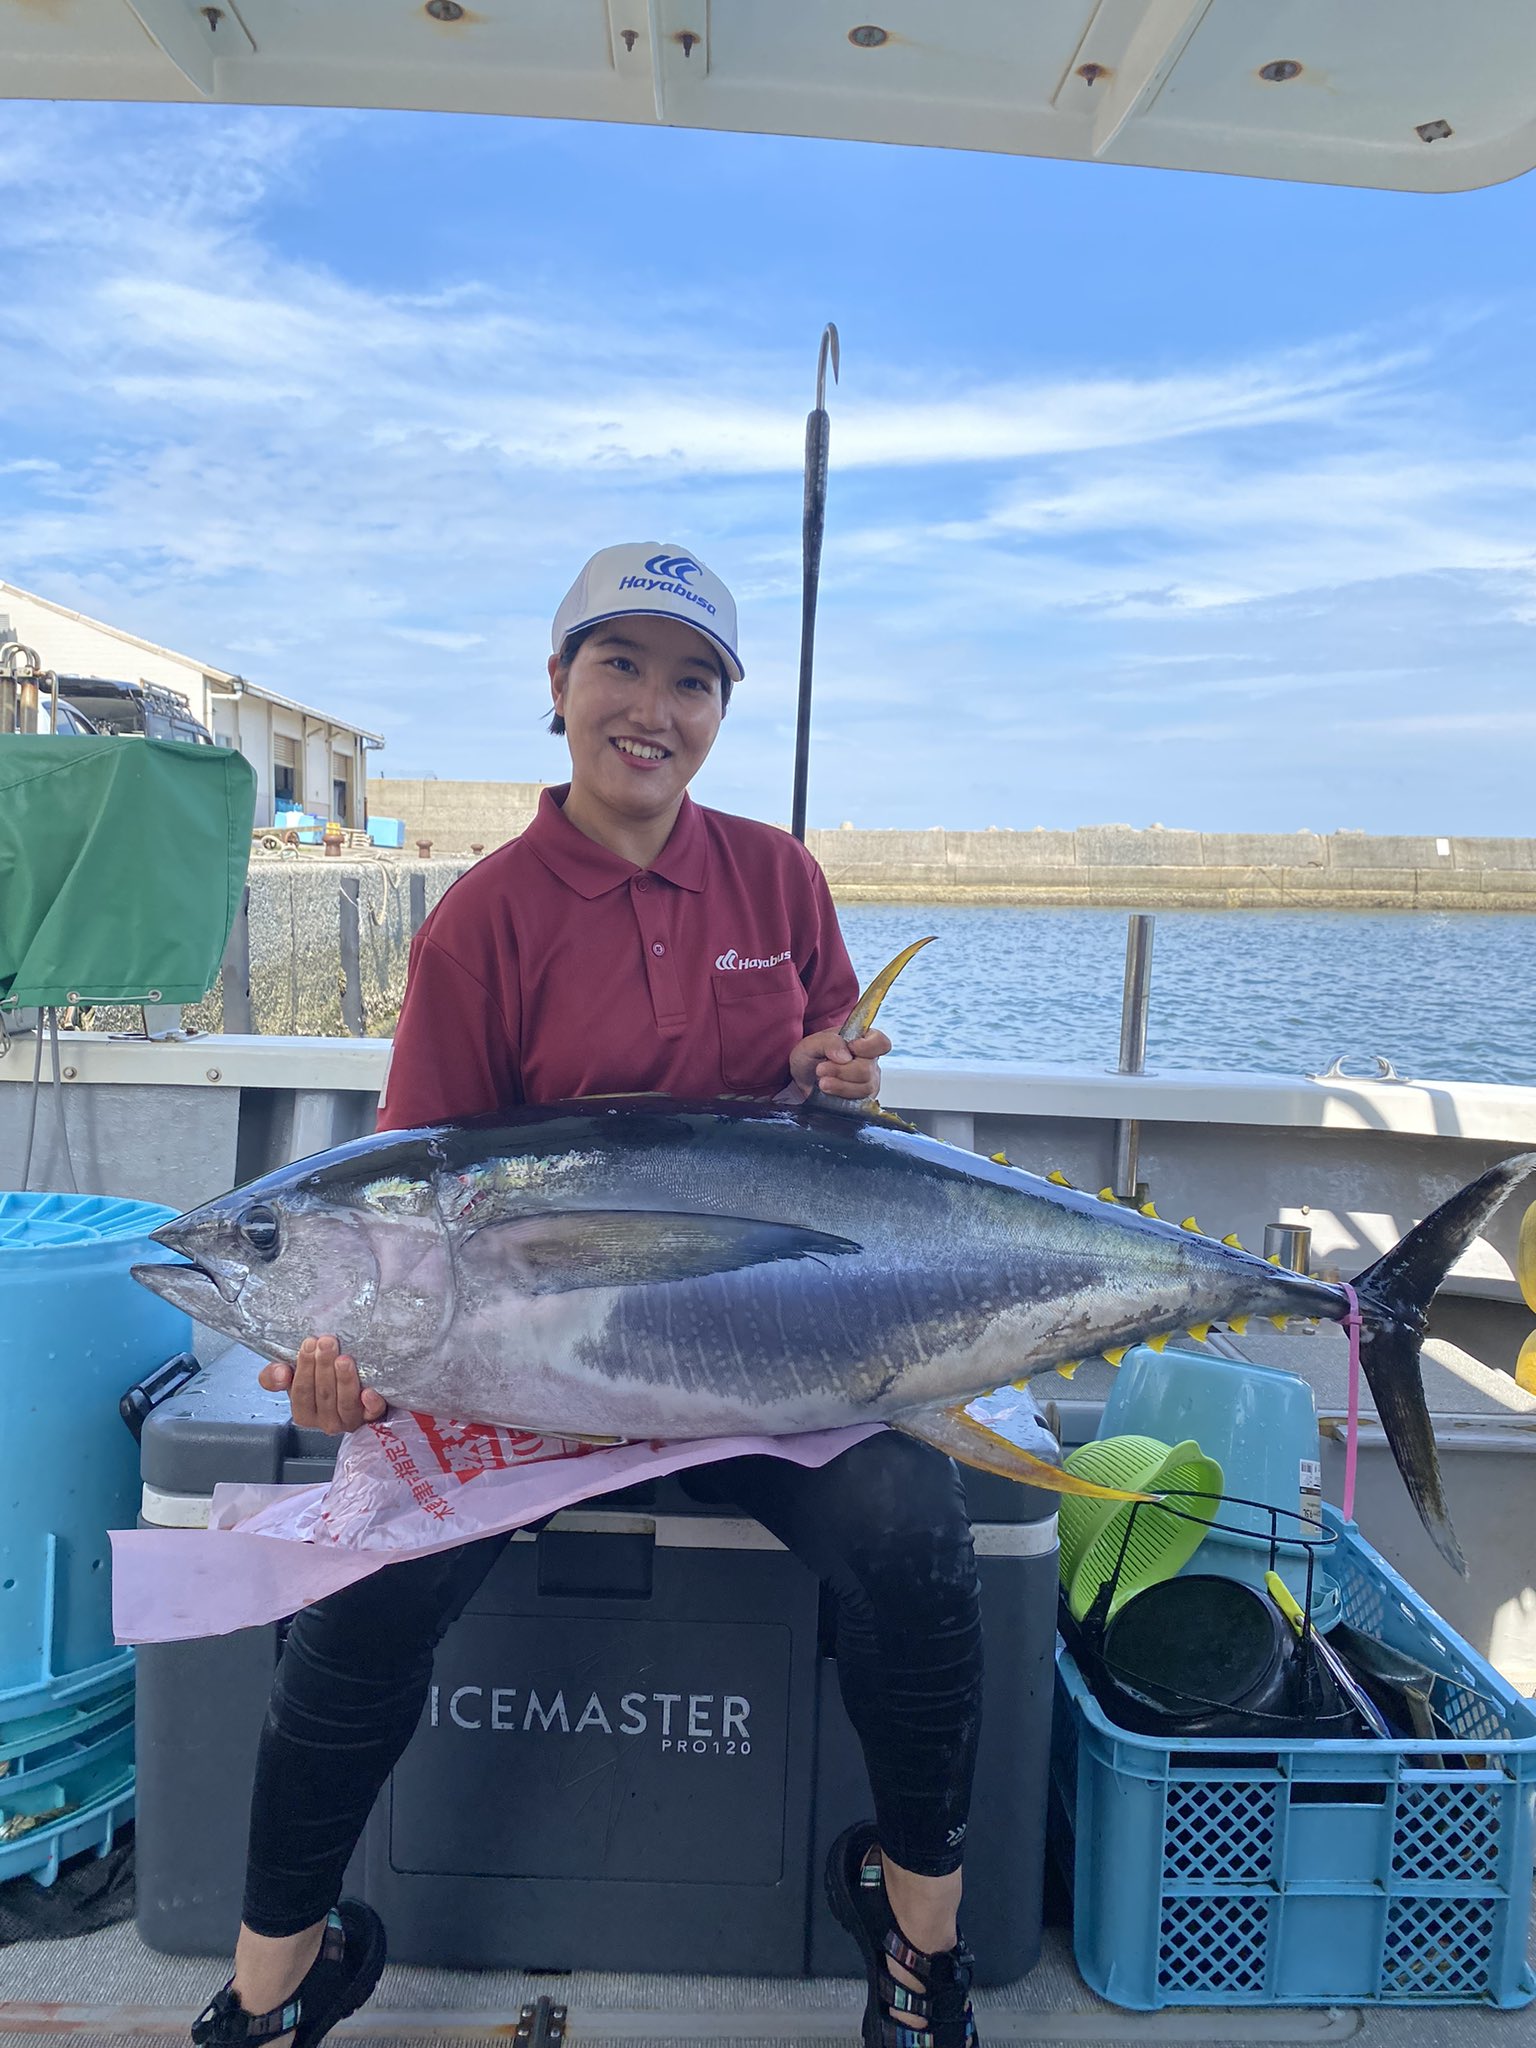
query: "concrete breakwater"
453, 817
1106, 865
1157, 868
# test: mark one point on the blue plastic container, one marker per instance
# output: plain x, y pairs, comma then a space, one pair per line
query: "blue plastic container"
1260, 1425
75, 1333
87, 1806
386, 831
1288, 1872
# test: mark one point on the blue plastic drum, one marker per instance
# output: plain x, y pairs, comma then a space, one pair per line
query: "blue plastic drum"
75, 1333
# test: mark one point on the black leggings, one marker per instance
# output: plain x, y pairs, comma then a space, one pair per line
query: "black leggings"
884, 1525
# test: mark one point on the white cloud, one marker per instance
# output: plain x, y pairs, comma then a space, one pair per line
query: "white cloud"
249, 453
450, 643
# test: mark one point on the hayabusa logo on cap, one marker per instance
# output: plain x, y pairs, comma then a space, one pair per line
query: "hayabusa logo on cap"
679, 567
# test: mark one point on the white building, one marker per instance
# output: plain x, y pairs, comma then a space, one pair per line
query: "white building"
298, 753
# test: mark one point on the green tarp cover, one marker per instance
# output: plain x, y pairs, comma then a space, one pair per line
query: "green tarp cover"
122, 862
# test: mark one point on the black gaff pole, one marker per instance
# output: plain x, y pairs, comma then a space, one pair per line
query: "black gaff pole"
818, 430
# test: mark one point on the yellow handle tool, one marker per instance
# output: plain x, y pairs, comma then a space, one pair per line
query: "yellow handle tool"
1285, 1600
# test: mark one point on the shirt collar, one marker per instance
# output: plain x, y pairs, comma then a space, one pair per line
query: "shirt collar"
592, 870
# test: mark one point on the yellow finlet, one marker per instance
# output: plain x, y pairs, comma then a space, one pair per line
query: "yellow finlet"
1068, 1367
1157, 1343
1000, 1159
1115, 1353
1238, 1325
1057, 1178
1272, 1259
1189, 1223
1108, 1195
1147, 1209
1234, 1240
1525, 1365
1281, 1322
1199, 1331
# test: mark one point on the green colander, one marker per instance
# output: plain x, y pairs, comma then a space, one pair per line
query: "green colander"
1160, 1544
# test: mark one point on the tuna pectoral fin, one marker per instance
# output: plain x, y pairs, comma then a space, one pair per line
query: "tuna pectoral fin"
1395, 1295
962, 1437
559, 1251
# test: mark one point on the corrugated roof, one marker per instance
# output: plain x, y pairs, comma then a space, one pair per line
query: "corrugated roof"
204, 668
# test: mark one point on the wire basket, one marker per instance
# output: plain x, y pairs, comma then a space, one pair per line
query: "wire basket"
1306, 1700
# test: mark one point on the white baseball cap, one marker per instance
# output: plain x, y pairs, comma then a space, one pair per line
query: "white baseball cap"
654, 579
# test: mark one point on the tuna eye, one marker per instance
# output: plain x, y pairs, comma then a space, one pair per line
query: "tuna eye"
258, 1227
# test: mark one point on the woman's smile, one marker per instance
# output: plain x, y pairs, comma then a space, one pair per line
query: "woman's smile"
644, 753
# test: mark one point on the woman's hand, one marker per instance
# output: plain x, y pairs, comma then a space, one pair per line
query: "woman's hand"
323, 1389
839, 1066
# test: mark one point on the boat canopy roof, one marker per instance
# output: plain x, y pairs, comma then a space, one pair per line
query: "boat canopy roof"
1417, 95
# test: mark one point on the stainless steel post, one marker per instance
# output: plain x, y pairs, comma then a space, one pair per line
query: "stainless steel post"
1291, 1244
1133, 1044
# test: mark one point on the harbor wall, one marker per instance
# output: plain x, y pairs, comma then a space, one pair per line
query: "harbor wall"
1113, 865
1158, 868
454, 816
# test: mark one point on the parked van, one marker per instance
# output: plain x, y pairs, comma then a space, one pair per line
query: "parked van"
143, 708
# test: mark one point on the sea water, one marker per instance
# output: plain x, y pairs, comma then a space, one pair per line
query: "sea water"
1443, 996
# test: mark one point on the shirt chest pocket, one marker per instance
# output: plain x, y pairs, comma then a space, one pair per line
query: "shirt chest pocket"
761, 1013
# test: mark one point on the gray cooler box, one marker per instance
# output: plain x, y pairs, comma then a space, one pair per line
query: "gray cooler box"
634, 1753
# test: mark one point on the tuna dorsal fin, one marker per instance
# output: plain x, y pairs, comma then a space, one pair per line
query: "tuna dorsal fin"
559, 1251
951, 1430
860, 1018
867, 1008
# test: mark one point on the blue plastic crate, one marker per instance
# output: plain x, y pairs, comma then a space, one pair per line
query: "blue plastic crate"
41, 1854
61, 1739
70, 1803
1229, 1872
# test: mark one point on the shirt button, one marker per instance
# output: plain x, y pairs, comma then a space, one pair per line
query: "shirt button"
658, 949
643, 883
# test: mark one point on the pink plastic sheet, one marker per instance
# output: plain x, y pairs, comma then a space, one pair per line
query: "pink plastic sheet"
402, 1487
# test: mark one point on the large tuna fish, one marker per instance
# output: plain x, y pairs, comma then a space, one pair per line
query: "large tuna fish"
644, 1268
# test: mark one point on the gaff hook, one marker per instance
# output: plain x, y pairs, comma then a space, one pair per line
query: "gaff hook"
818, 433
828, 348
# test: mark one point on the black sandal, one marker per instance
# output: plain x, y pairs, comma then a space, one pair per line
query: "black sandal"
856, 1894
343, 1976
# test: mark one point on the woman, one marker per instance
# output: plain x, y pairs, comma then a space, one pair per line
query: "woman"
631, 941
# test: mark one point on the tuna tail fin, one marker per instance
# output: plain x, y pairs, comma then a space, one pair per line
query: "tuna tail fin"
1395, 1295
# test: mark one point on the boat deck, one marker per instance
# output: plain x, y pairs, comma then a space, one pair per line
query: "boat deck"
107, 1990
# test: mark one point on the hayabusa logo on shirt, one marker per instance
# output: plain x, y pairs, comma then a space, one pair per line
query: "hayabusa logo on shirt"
679, 566
725, 962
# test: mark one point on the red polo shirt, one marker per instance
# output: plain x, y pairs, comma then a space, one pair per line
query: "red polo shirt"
557, 968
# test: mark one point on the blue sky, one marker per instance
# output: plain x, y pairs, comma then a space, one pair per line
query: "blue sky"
1154, 497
